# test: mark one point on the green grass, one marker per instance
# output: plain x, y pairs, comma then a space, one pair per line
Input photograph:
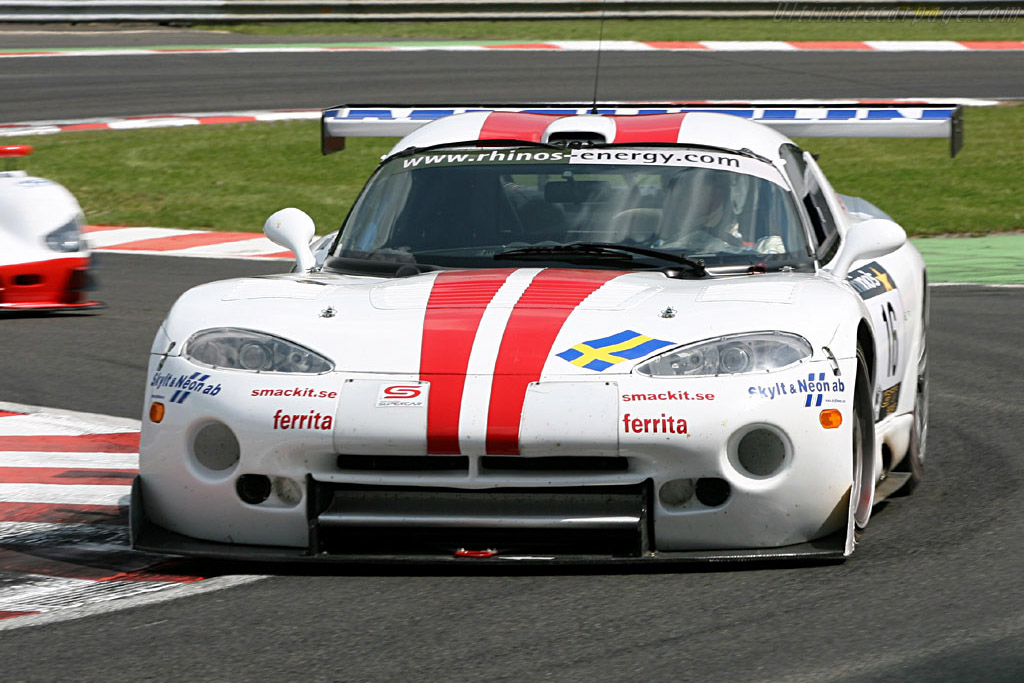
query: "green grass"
219, 177
232, 177
921, 28
920, 186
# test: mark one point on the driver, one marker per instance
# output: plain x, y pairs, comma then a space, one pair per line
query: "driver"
716, 203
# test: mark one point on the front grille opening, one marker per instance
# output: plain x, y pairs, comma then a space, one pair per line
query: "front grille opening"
445, 542
28, 280
404, 463
351, 519
570, 463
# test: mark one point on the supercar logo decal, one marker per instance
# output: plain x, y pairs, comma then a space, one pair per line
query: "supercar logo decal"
401, 395
601, 354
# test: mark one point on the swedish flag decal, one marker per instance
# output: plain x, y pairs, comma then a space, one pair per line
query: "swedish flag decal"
601, 354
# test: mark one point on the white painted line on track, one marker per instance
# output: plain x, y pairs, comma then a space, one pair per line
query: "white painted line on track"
106, 605
95, 422
53, 424
996, 285
916, 46
44, 533
749, 46
64, 494
92, 461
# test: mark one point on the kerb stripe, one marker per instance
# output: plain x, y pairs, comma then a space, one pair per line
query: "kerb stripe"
62, 513
126, 442
62, 475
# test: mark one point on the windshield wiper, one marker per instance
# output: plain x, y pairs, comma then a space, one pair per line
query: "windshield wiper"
575, 250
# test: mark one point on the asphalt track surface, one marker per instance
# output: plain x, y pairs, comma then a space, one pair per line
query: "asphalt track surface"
84, 87
933, 592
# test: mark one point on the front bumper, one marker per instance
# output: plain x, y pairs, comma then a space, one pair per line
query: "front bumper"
59, 284
515, 549
625, 488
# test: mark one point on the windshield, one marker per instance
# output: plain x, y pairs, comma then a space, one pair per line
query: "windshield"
461, 208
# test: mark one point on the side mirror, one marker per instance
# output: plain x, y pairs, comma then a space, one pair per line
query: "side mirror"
293, 229
870, 239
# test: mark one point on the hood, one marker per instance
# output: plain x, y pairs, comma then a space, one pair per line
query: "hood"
517, 321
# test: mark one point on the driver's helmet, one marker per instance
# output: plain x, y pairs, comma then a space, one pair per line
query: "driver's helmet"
711, 201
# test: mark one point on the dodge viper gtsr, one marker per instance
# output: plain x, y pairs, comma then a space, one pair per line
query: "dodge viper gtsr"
550, 336
44, 261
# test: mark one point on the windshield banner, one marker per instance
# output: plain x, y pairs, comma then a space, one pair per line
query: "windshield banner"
710, 159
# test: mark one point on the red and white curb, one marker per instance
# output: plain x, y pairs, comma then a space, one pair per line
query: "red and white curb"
559, 45
153, 121
65, 481
175, 242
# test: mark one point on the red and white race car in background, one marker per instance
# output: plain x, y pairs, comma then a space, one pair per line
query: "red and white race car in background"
44, 259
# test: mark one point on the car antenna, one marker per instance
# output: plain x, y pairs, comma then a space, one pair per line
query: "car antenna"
597, 66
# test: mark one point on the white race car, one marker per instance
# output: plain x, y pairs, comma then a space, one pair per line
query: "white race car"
552, 335
44, 260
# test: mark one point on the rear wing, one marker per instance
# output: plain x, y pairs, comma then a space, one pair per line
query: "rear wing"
797, 119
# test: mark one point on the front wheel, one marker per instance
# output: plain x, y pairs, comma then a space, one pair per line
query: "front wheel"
913, 462
862, 492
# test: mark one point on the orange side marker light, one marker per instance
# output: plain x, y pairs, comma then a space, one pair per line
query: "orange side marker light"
830, 418
156, 412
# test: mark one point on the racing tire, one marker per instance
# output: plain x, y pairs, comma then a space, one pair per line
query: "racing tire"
913, 462
863, 428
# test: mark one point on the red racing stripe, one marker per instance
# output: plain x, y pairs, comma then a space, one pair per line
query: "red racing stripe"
511, 125
526, 345
648, 128
457, 303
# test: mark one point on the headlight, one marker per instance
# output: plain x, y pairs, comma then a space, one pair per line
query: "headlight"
735, 354
236, 349
65, 238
